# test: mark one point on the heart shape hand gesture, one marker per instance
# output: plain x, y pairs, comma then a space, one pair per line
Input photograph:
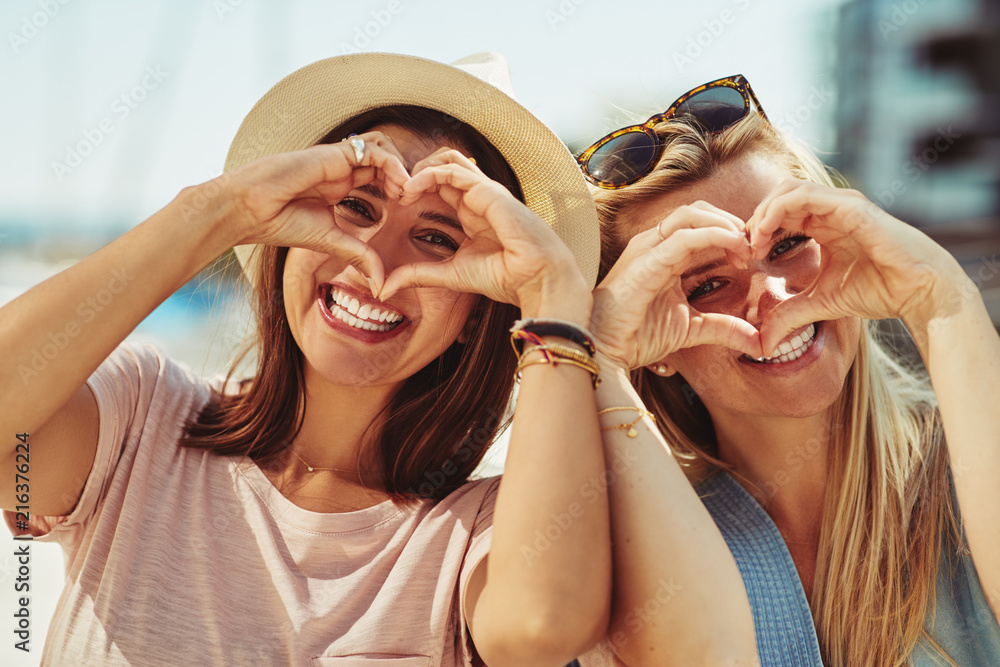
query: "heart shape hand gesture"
872, 265
509, 255
285, 199
641, 314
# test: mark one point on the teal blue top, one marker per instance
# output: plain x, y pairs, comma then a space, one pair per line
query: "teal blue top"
963, 625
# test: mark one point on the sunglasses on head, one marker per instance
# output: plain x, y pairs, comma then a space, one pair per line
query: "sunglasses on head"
628, 154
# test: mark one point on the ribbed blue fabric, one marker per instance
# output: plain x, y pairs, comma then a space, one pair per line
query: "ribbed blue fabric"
786, 636
963, 623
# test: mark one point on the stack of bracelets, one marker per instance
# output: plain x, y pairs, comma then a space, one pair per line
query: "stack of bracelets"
532, 330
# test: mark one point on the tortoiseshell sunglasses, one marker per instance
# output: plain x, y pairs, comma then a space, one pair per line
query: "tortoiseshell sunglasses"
628, 154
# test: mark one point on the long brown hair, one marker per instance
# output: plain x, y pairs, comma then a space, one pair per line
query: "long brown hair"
887, 511
439, 424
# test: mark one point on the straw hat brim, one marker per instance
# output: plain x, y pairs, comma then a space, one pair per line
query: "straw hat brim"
304, 106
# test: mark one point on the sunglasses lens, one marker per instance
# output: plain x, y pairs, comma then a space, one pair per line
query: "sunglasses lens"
623, 159
714, 108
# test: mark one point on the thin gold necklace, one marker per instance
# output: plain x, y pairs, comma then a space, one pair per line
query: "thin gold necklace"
315, 469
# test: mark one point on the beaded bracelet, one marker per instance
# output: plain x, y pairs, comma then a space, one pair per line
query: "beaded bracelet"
550, 327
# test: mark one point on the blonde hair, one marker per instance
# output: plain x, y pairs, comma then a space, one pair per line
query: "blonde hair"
888, 511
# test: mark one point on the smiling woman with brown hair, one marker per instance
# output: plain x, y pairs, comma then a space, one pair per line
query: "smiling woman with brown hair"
320, 511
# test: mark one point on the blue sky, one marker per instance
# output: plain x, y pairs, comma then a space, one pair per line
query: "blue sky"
163, 86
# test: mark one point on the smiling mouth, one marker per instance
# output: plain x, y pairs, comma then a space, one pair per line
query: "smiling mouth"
791, 349
353, 313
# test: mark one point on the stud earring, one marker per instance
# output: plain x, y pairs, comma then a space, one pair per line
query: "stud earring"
661, 369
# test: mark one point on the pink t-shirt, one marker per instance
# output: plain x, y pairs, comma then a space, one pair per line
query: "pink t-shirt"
176, 556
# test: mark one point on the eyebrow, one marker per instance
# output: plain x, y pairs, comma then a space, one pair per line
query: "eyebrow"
374, 190
709, 266
703, 268
441, 219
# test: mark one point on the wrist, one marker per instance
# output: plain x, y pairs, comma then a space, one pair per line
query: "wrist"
564, 297
952, 292
610, 365
952, 317
208, 206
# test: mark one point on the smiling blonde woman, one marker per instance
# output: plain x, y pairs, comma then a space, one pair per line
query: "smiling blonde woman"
741, 287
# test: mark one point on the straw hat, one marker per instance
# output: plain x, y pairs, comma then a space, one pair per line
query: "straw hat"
304, 106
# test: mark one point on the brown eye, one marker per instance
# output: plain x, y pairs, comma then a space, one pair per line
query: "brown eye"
356, 208
439, 240
705, 287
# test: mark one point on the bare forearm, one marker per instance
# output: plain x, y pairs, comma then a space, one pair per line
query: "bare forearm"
550, 558
56, 334
678, 596
961, 350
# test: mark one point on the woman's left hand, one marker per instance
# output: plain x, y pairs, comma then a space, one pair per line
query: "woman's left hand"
510, 254
872, 265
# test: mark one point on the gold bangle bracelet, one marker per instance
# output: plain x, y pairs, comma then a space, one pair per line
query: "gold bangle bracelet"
590, 367
556, 354
629, 427
566, 352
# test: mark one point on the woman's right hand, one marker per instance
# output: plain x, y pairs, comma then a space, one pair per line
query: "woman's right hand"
285, 199
640, 312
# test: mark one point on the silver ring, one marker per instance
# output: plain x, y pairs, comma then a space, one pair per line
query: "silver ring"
358, 144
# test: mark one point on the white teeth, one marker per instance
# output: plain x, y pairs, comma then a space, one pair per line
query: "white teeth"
793, 348
350, 311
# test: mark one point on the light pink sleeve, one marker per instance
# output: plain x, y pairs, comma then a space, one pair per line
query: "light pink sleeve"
123, 387
479, 548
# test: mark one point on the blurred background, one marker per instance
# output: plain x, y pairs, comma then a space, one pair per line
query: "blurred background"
111, 107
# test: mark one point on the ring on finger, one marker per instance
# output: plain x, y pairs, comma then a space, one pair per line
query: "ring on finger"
358, 144
659, 230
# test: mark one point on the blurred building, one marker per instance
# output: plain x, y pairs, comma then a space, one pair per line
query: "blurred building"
918, 120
